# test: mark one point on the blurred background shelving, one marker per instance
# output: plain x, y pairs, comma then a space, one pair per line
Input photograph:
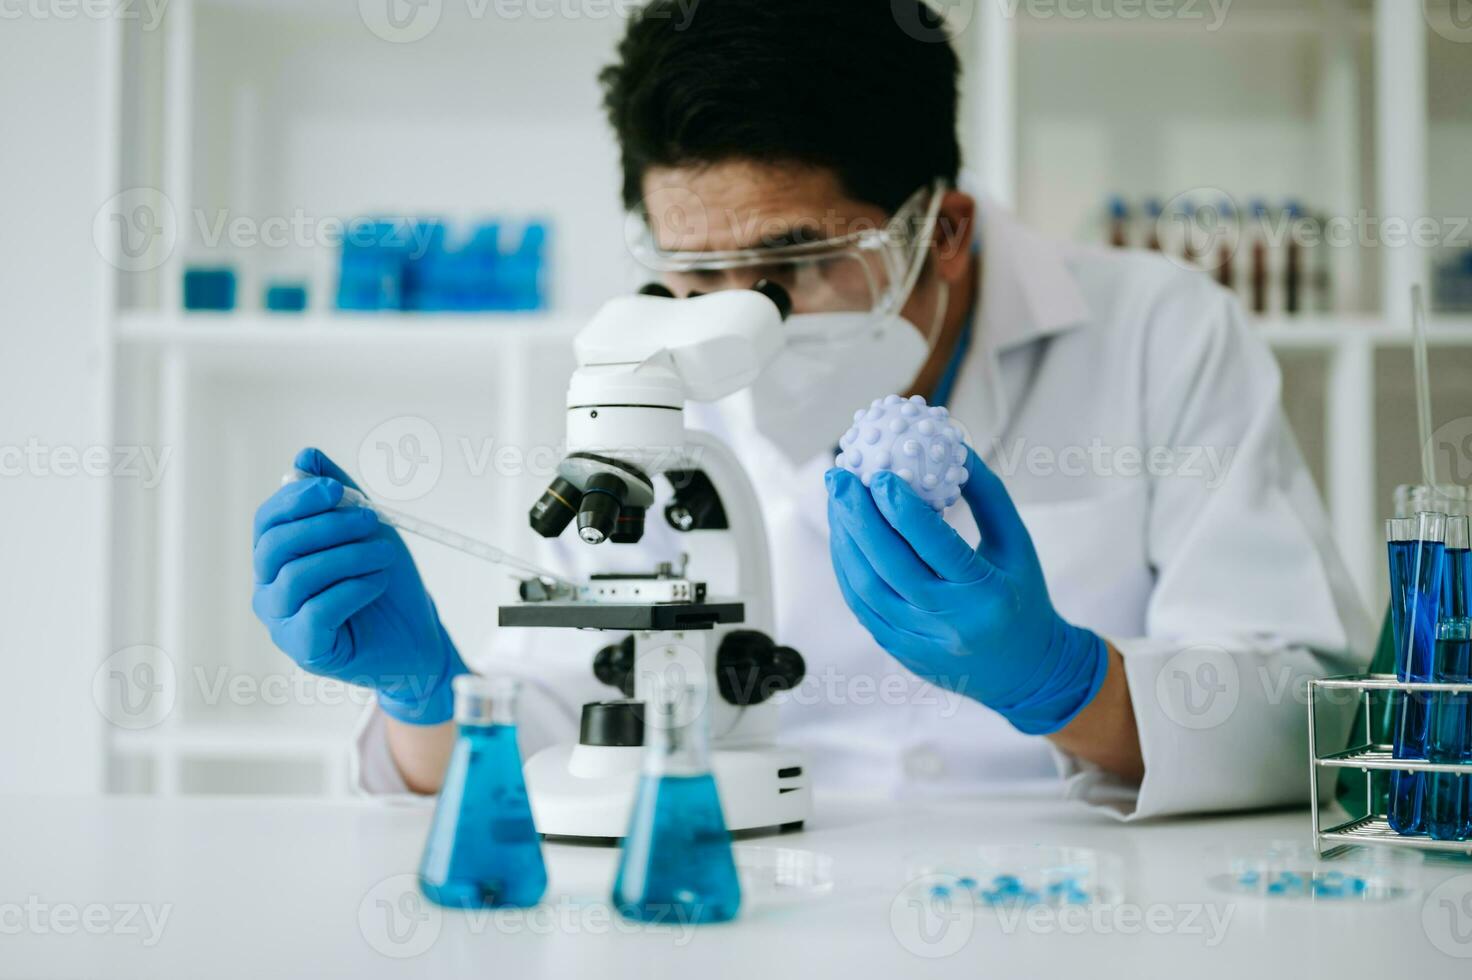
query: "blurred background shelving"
272, 108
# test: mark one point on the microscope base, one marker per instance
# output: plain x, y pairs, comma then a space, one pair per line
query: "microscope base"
587, 792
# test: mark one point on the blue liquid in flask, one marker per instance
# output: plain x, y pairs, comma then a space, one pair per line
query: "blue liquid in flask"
483, 849
676, 864
1416, 584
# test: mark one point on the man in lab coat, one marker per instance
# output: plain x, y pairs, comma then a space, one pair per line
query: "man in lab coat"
1155, 577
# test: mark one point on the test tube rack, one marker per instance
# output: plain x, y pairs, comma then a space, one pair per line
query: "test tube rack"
1372, 828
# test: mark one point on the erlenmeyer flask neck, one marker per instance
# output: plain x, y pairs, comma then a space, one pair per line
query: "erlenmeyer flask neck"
484, 701
676, 733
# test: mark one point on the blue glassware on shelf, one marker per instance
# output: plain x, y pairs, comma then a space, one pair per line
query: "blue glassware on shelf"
406, 264
483, 849
676, 865
285, 297
211, 288
1416, 553
425, 262
371, 270
521, 275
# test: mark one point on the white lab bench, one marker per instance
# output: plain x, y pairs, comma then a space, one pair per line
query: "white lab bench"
287, 888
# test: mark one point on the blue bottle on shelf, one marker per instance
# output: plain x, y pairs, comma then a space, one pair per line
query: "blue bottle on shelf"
371, 275
285, 297
210, 289
483, 849
676, 864
1416, 553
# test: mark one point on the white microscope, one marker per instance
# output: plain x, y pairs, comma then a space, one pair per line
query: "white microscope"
639, 361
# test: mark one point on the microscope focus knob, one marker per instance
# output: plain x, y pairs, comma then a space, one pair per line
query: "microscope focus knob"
614, 665
612, 723
750, 667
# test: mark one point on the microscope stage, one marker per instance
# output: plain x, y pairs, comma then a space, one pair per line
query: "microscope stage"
623, 615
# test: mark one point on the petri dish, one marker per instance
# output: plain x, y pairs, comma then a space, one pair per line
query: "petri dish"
1013, 875
777, 876
1292, 872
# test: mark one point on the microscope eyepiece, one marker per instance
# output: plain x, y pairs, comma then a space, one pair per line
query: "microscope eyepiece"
558, 506
603, 500
779, 296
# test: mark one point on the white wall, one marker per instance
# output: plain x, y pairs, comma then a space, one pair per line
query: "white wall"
51, 586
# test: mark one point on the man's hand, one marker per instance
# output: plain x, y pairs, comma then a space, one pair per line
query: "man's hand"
341, 596
976, 621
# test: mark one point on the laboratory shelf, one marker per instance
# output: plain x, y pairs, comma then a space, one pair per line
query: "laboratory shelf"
271, 345
370, 330
285, 331
1327, 331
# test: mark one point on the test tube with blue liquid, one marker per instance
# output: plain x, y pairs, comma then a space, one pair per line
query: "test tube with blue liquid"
1449, 737
1377, 714
483, 849
1447, 740
1416, 553
1456, 570
677, 864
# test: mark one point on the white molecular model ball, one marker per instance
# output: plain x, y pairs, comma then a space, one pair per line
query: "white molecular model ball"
916, 442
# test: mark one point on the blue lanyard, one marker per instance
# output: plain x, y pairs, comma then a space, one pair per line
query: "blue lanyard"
942, 394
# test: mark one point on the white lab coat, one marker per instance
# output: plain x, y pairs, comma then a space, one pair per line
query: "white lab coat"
1136, 423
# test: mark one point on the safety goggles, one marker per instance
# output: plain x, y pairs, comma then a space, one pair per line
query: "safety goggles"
868, 271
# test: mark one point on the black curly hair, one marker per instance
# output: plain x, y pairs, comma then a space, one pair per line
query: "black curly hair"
865, 88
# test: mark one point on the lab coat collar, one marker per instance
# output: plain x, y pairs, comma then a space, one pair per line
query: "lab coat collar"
1027, 289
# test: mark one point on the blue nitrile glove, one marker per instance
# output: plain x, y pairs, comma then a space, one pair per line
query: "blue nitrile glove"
341, 596
975, 621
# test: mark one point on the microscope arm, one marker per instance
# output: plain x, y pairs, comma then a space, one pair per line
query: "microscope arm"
739, 499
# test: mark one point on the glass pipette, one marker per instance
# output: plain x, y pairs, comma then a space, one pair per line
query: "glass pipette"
450, 539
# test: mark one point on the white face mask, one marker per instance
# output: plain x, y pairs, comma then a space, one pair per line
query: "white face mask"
834, 363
